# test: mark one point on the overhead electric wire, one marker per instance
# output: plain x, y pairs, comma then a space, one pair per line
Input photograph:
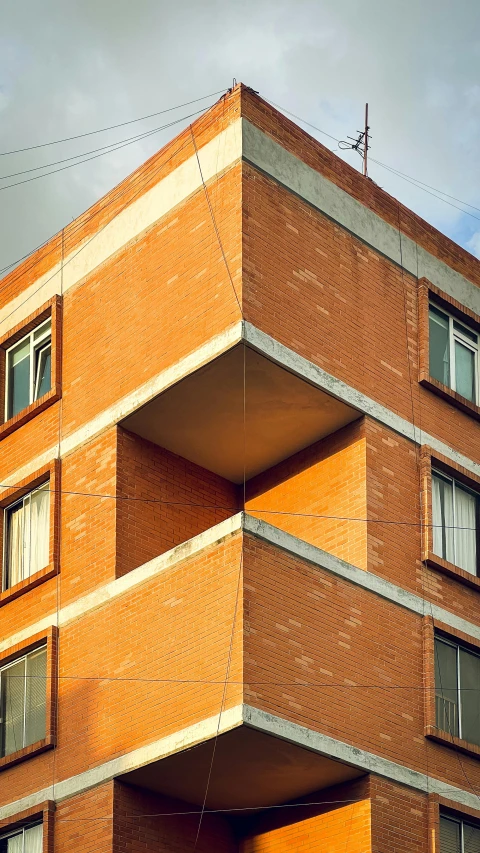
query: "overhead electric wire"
250, 511
121, 191
115, 147
419, 184
220, 681
112, 126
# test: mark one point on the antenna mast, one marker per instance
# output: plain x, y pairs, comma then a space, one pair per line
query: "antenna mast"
360, 144
365, 147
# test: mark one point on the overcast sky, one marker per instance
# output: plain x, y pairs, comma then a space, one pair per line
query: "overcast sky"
71, 67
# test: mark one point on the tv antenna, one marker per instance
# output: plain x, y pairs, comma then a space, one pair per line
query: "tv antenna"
359, 143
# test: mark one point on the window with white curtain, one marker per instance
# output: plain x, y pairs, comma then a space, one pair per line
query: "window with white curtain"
27, 536
453, 349
458, 836
455, 511
28, 369
23, 701
457, 690
27, 839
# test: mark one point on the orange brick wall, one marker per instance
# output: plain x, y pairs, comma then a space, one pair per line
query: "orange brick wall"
163, 500
339, 659
84, 822
142, 824
327, 479
341, 828
155, 662
322, 292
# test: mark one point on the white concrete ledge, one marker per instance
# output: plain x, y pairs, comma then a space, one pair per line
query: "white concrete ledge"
359, 758
264, 153
232, 718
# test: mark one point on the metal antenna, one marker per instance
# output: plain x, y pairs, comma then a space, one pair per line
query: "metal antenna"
360, 143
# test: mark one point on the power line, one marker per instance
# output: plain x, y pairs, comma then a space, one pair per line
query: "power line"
103, 153
121, 192
236, 682
419, 184
112, 126
250, 511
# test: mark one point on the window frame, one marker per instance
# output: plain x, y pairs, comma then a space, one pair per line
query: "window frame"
48, 474
5, 668
36, 346
457, 643
461, 822
46, 639
21, 831
6, 511
454, 335
457, 484
42, 813
51, 310
428, 293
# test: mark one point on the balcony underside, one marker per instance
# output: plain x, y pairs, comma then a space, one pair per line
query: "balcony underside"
250, 770
240, 413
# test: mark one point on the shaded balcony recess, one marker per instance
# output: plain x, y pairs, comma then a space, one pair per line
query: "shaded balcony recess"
251, 770
240, 413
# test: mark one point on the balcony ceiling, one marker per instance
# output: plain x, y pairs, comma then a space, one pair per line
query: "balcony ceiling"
250, 769
208, 419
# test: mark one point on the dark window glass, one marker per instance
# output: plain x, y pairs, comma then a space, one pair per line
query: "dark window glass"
439, 346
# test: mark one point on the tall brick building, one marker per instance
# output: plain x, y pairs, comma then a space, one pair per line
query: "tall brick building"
240, 479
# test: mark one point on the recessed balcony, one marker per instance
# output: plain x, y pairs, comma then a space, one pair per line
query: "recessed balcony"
239, 415
251, 769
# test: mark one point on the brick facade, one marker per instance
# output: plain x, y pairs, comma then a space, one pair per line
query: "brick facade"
263, 648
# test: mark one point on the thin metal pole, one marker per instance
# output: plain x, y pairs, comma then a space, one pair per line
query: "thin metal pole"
365, 151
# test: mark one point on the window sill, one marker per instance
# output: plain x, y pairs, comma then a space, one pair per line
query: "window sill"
30, 412
452, 570
438, 735
27, 752
29, 583
449, 395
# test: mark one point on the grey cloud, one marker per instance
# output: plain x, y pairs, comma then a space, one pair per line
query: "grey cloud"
67, 68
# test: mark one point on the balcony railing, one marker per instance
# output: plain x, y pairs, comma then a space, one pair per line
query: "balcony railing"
446, 714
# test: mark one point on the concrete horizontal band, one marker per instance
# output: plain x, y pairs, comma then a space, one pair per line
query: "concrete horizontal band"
218, 345
240, 139
270, 157
267, 533
232, 718
307, 738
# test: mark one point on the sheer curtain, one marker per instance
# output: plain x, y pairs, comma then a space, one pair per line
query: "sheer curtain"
39, 529
465, 533
28, 539
443, 536
14, 844
14, 545
33, 839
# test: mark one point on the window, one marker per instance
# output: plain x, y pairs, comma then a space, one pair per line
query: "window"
23, 694
453, 350
27, 536
457, 836
457, 690
28, 369
28, 839
455, 515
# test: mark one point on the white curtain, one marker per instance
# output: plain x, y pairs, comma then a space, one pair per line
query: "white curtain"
33, 839
14, 545
28, 536
36, 694
465, 533
443, 535
13, 706
39, 529
15, 843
